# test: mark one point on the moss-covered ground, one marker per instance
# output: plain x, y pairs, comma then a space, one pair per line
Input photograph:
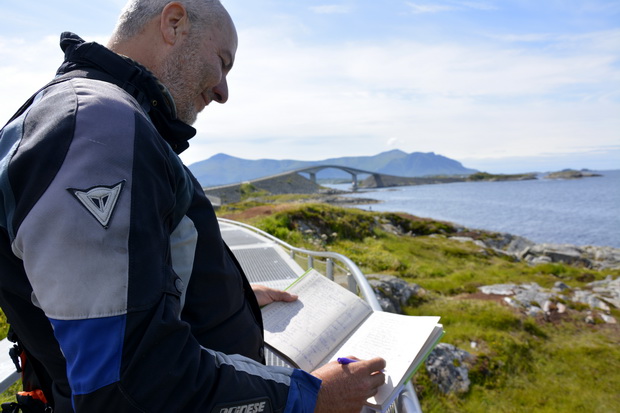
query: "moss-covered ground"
521, 364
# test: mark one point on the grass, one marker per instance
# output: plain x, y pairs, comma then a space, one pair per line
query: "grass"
524, 364
520, 364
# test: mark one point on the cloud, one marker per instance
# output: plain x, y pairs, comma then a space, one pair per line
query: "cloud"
418, 8
599, 6
459, 100
479, 5
25, 67
331, 9
448, 6
36, 65
514, 95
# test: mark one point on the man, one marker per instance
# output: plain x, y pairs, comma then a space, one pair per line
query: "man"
112, 268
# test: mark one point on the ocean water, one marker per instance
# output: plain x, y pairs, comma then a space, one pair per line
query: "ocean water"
580, 212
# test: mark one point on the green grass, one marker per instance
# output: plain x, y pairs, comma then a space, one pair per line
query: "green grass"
521, 364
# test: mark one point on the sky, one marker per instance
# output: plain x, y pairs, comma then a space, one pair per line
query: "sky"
502, 86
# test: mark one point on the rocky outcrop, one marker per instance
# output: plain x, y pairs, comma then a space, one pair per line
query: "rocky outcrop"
593, 301
600, 258
291, 183
448, 368
385, 181
393, 292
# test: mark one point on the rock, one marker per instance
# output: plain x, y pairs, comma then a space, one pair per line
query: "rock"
560, 286
469, 239
604, 257
500, 289
568, 254
387, 304
591, 299
391, 229
447, 367
532, 293
540, 260
534, 300
508, 243
533, 311
607, 290
523, 249
462, 239
608, 319
393, 292
511, 302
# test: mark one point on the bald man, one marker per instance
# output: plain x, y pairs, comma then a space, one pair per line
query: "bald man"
113, 272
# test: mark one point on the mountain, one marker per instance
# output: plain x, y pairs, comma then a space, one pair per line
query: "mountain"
222, 169
422, 164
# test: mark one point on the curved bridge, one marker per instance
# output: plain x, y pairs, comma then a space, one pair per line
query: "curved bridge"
313, 170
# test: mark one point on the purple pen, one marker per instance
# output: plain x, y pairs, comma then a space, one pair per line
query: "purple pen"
344, 360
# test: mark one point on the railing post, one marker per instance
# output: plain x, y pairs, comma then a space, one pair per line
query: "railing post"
292, 254
310, 261
351, 283
329, 269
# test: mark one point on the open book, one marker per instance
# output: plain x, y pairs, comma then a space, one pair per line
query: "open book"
328, 321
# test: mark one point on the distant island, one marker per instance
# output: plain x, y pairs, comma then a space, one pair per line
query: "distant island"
571, 174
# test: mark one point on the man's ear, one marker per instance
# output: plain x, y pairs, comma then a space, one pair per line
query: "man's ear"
174, 22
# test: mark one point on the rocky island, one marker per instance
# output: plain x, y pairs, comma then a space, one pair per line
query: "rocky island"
571, 174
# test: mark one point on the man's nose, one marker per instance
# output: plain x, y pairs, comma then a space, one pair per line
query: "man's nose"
220, 91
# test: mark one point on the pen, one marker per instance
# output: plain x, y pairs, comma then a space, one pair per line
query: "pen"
344, 360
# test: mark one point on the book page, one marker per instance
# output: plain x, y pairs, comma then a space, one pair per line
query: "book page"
399, 339
307, 330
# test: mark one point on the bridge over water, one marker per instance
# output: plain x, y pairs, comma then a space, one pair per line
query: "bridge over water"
313, 170
293, 182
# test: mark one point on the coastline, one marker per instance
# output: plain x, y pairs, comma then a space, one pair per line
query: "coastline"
518, 247
580, 212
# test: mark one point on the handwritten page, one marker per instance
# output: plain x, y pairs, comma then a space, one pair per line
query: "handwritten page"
399, 339
328, 321
308, 337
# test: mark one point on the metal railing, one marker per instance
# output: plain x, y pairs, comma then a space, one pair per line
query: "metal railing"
407, 402
355, 278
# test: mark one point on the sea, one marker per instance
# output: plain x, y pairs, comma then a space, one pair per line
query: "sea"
583, 211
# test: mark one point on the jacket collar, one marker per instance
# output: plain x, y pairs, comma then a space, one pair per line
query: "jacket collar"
134, 78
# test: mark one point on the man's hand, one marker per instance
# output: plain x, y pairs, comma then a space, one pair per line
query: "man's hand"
266, 295
345, 388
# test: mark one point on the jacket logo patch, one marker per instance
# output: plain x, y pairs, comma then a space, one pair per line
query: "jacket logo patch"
254, 406
100, 201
